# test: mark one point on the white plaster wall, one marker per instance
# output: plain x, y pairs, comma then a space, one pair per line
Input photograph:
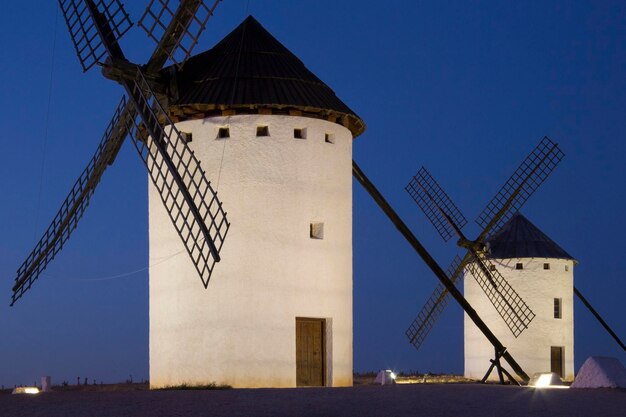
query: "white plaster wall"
241, 330
538, 288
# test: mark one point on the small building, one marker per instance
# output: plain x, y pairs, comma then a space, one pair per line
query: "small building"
542, 273
276, 142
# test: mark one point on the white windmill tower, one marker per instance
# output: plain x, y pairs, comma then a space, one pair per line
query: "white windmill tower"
543, 275
277, 143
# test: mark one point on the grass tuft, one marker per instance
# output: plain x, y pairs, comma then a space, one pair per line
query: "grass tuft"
189, 387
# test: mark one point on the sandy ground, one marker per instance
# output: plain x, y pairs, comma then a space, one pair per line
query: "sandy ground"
397, 400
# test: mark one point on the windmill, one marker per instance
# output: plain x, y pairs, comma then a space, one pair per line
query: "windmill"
448, 220
197, 214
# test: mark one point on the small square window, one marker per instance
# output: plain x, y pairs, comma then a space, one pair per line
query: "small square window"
262, 131
329, 138
186, 136
557, 308
519, 266
566, 268
546, 266
316, 231
299, 133
492, 267
223, 133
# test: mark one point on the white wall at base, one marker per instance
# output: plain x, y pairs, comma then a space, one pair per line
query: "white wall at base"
241, 330
538, 287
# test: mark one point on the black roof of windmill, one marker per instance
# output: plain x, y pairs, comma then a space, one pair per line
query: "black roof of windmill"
519, 238
247, 71
250, 69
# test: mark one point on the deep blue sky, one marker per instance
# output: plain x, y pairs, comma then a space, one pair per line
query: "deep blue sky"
465, 88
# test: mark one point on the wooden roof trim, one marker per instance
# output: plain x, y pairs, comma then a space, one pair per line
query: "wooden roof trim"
179, 113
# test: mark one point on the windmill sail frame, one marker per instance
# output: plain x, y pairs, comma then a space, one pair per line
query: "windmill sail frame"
95, 26
438, 207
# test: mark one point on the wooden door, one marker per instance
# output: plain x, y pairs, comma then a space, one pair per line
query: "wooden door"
556, 360
310, 352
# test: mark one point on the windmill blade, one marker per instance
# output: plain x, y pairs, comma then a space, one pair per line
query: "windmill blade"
436, 205
84, 31
187, 195
436, 303
175, 26
173, 168
531, 173
448, 220
514, 311
73, 207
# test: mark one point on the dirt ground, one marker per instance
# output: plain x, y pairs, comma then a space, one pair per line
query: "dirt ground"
396, 400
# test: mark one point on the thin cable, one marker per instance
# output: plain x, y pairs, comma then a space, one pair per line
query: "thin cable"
124, 274
161, 260
46, 122
232, 96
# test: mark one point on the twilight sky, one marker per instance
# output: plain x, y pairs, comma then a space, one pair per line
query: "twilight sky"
465, 88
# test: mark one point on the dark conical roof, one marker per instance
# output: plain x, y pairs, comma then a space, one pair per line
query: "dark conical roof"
249, 70
519, 238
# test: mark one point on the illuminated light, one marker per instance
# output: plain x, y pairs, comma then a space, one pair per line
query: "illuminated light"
26, 390
546, 380
392, 375
543, 381
553, 387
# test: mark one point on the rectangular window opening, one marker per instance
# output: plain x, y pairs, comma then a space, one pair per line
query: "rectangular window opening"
223, 133
566, 268
546, 266
519, 266
557, 308
316, 230
492, 267
186, 136
299, 133
329, 138
262, 131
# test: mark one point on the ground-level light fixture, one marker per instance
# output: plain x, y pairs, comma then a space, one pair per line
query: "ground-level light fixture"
25, 390
546, 380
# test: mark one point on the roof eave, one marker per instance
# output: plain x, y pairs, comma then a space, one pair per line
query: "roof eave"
193, 111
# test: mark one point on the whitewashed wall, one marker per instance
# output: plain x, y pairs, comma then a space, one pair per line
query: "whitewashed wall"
538, 287
241, 330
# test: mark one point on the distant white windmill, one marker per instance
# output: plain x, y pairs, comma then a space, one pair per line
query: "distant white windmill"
512, 310
519, 275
